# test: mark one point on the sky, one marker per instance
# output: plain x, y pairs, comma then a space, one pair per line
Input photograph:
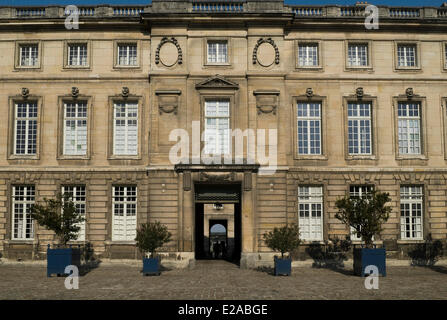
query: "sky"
434, 3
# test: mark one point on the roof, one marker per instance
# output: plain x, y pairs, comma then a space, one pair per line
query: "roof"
230, 12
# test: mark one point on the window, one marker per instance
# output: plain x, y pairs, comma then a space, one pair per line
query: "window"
23, 198
359, 128
409, 127
75, 128
77, 194
411, 199
29, 55
125, 128
310, 213
407, 55
217, 127
25, 128
124, 224
217, 52
77, 55
358, 55
309, 127
308, 55
359, 192
127, 54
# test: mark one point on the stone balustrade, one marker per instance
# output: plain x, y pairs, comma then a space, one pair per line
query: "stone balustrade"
82, 11
30, 12
356, 11
127, 11
213, 6
52, 12
405, 12
308, 11
222, 6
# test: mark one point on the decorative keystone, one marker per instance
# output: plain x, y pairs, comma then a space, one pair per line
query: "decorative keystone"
25, 93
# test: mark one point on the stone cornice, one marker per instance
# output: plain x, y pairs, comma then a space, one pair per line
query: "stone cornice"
217, 167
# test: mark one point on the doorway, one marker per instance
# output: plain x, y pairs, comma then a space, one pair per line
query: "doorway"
219, 244
218, 224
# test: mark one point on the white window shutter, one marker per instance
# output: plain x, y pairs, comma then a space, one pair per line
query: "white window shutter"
124, 222
125, 136
310, 212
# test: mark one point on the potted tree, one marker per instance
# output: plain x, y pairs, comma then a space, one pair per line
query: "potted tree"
285, 239
150, 236
366, 215
62, 217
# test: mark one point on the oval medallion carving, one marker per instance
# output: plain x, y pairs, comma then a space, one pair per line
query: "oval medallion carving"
168, 54
266, 54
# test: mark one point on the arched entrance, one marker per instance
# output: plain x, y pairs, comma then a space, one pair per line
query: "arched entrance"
218, 205
218, 239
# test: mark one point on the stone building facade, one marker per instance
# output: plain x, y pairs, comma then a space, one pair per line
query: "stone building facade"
90, 111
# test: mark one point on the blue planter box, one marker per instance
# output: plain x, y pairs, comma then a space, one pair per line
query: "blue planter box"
151, 266
283, 266
365, 257
58, 259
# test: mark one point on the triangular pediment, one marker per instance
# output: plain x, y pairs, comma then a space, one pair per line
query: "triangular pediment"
217, 82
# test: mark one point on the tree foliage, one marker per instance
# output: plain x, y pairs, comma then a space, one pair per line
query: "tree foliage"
285, 239
152, 235
365, 214
59, 215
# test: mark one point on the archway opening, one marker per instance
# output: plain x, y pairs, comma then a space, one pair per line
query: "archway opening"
218, 239
218, 222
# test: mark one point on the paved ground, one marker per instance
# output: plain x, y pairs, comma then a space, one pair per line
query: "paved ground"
220, 280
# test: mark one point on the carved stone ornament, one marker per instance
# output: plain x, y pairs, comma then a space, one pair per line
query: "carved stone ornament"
359, 93
266, 109
266, 101
173, 41
74, 92
309, 93
167, 108
409, 93
25, 93
217, 177
125, 92
167, 104
261, 41
168, 101
218, 82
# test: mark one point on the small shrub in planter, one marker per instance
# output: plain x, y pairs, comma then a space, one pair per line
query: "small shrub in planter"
285, 239
150, 237
330, 255
61, 216
366, 215
426, 254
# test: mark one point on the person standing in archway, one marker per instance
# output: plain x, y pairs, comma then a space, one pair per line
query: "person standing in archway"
216, 249
223, 249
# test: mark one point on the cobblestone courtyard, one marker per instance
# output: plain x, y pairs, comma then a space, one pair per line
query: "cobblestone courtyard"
220, 280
